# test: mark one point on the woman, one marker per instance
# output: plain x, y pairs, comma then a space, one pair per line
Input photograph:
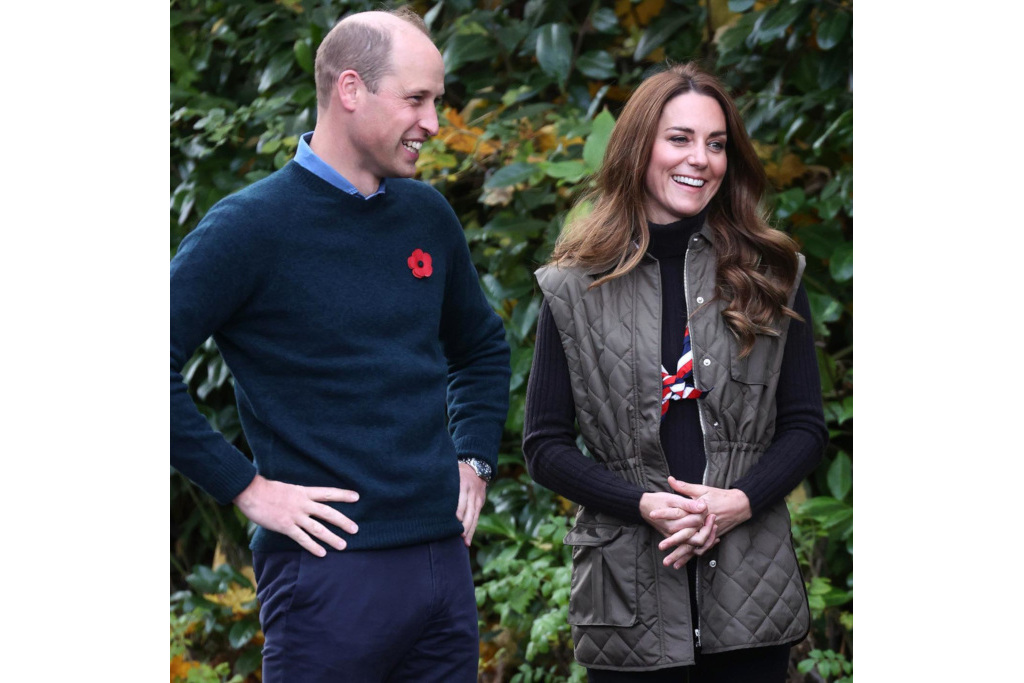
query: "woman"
675, 267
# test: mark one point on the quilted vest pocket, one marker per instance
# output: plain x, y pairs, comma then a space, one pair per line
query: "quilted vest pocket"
603, 575
756, 366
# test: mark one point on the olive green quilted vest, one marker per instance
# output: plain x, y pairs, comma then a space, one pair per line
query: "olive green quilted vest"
627, 610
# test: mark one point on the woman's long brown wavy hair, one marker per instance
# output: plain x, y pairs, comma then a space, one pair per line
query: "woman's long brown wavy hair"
756, 264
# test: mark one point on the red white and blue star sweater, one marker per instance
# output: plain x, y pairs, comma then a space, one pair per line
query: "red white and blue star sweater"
350, 371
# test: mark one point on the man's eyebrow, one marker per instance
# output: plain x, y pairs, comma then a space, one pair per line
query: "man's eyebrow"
423, 92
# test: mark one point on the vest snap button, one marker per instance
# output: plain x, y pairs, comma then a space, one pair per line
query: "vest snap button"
707, 362
712, 564
700, 299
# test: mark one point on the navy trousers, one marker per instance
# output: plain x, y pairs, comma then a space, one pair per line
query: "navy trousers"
400, 614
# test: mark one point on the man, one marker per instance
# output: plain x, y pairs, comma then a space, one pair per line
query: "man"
370, 373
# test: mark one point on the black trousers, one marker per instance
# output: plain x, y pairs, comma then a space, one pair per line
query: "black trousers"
752, 665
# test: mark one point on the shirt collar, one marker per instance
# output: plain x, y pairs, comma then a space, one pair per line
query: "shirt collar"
308, 159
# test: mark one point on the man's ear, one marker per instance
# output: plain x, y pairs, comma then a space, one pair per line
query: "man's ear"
350, 89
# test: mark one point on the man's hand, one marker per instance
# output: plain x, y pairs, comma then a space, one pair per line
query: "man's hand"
472, 492
290, 509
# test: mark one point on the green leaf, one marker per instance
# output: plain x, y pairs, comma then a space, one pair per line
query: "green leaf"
830, 513
304, 54
833, 69
570, 170
822, 507
778, 19
499, 525
841, 263
554, 51
524, 316
740, 5
826, 370
846, 118
466, 48
242, 632
513, 226
495, 292
840, 476
597, 141
663, 27
605, 21
250, 660
513, 174
820, 239
276, 69
832, 29
838, 412
824, 309
596, 64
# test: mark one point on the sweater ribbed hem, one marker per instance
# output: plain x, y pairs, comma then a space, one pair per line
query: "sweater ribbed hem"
371, 535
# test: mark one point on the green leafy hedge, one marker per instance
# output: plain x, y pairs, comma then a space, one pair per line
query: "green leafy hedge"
532, 91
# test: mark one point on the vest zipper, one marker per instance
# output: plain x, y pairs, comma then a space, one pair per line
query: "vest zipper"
703, 431
634, 406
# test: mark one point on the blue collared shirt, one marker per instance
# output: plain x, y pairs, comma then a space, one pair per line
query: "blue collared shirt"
307, 159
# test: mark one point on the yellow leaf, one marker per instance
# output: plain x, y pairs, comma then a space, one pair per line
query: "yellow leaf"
454, 118
764, 152
565, 506
784, 172
719, 15
643, 12
219, 557
648, 9
618, 93
180, 668
797, 496
546, 139
458, 141
237, 598
622, 7
487, 148
248, 573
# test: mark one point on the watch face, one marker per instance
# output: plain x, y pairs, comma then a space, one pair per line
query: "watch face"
482, 469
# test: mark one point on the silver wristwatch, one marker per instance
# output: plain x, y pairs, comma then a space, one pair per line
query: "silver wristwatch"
482, 469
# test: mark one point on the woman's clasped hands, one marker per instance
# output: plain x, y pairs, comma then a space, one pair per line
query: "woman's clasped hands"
689, 529
693, 518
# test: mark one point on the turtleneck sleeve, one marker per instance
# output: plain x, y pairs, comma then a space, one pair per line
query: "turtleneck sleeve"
549, 435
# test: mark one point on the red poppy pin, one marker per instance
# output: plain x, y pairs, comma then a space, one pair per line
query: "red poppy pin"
420, 264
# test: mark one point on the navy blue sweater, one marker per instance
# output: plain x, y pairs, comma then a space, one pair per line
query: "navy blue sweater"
349, 370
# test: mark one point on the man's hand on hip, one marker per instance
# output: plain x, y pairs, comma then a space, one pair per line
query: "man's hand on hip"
290, 509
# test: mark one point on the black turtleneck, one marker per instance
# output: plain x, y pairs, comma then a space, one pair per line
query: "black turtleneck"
549, 433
